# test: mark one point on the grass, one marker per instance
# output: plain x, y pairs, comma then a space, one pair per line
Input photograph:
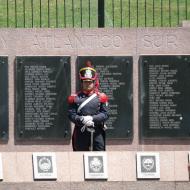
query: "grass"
84, 13
147, 12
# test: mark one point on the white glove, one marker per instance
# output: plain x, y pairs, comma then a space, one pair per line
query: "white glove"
89, 124
86, 119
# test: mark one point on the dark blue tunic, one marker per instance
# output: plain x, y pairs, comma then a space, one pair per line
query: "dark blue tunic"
97, 108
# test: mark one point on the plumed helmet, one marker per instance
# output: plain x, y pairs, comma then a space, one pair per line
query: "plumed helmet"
87, 73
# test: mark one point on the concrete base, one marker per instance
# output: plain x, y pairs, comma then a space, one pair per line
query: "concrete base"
90, 185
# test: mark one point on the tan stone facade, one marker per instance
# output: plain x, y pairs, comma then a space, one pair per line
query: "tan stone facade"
17, 157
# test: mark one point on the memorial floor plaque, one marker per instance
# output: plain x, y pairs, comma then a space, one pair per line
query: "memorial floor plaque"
115, 75
148, 165
4, 98
44, 165
95, 165
165, 96
42, 88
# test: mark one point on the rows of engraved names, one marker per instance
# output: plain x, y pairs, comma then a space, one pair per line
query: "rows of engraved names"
40, 96
110, 83
162, 107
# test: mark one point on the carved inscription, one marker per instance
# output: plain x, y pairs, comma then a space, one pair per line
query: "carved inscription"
3, 44
85, 41
160, 41
111, 84
40, 97
162, 108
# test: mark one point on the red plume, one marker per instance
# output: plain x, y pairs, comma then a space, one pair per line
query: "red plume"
97, 84
88, 63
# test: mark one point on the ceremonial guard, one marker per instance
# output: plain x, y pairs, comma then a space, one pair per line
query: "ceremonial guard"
88, 111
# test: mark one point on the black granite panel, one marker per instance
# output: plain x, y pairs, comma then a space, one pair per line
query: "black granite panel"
4, 98
42, 88
164, 96
115, 74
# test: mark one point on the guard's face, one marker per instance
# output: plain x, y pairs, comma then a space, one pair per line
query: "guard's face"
88, 85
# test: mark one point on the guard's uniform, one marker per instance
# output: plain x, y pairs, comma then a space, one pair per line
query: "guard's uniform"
97, 108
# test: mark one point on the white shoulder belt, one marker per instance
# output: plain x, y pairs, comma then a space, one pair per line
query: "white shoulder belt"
86, 102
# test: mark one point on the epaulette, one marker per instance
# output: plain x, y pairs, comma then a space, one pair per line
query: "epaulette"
71, 98
103, 97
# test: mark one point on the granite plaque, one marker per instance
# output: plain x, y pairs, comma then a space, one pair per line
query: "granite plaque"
4, 98
95, 165
164, 96
42, 88
148, 165
44, 165
115, 76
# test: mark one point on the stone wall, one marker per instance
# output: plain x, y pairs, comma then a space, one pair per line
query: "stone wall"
17, 157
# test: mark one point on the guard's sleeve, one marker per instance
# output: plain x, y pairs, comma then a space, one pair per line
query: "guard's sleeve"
72, 110
102, 115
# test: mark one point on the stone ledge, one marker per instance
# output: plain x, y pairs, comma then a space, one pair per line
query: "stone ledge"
96, 185
17, 167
